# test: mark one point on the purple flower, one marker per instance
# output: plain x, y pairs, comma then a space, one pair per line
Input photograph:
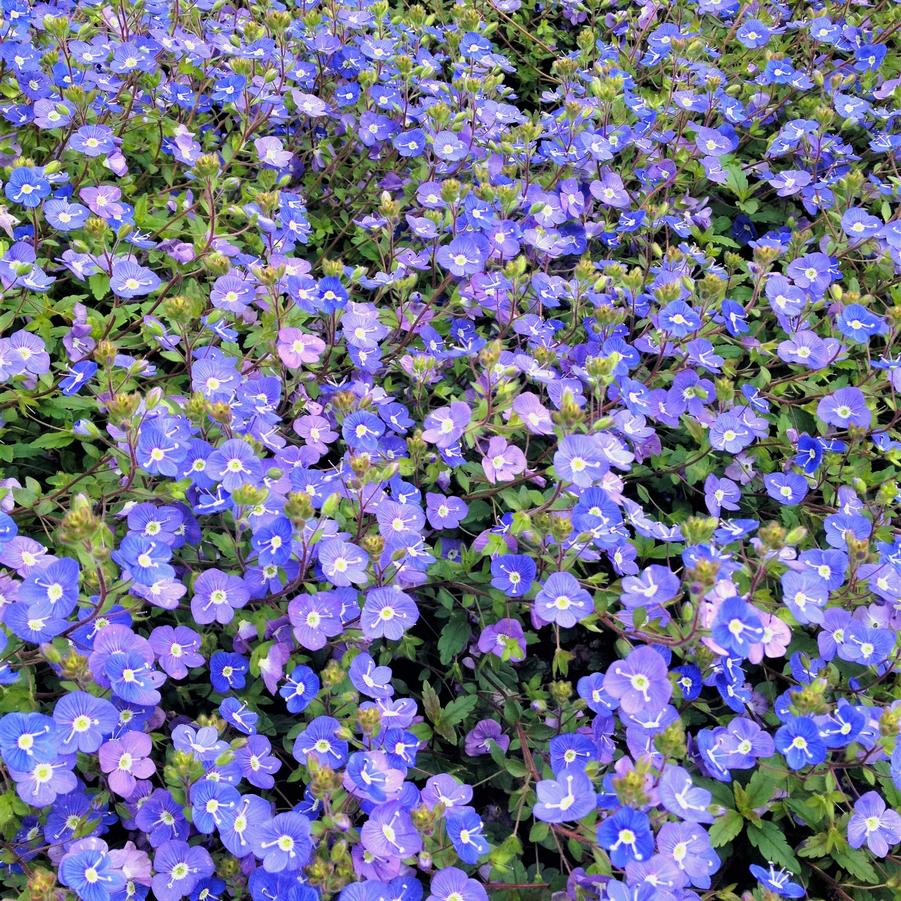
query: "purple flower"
504, 639
125, 760
216, 597
465, 255
465, 829
737, 626
388, 613
179, 867
788, 488
845, 407
316, 618
445, 512
513, 574
283, 843
234, 464
451, 884
681, 797
689, 846
640, 682
389, 832
93, 140
561, 600
872, 823
565, 799
128, 279
445, 426
84, 721
478, 739
502, 462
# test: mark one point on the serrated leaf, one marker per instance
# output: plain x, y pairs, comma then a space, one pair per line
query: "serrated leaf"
771, 843
458, 710
99, 285
856, 863
726, 828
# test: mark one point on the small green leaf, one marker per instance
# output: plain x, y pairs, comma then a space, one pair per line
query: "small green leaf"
458, 710
454, 635
771, 843
430, 702
856, 863
726, 828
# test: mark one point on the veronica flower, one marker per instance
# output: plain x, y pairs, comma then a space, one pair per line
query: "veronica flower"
627, 836
177, 649
316, 618
209, 801
787, 488
40, 784
798, 740
513, 574
389, 832
478, 740
565, 799
445, 512
370, 679
84, 721
343, 563
27, 186
504, 639
125, 760
502, 462
452, 884
28, 738
388, 613
561, 600
737, 626
872, 823
681, 797
689, 846
777, 881
465, 255
216, 597
161, 818
178, 868
86, 868
640, 682
93, 140
445, 426
129, 280
465, 829
319, 741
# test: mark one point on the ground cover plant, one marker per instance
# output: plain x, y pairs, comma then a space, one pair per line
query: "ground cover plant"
450, 451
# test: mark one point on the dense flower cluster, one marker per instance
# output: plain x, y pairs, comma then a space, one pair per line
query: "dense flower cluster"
450, 453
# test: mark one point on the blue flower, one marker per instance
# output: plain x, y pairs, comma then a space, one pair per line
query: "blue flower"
778, 881
800, 743
27, 186
627, 836
465, 830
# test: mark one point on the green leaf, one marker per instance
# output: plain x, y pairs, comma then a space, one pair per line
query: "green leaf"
761, 787
99, 284
726, 828
53, 439
458, 710
453, 638
771, 843
430, 702
856, 863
